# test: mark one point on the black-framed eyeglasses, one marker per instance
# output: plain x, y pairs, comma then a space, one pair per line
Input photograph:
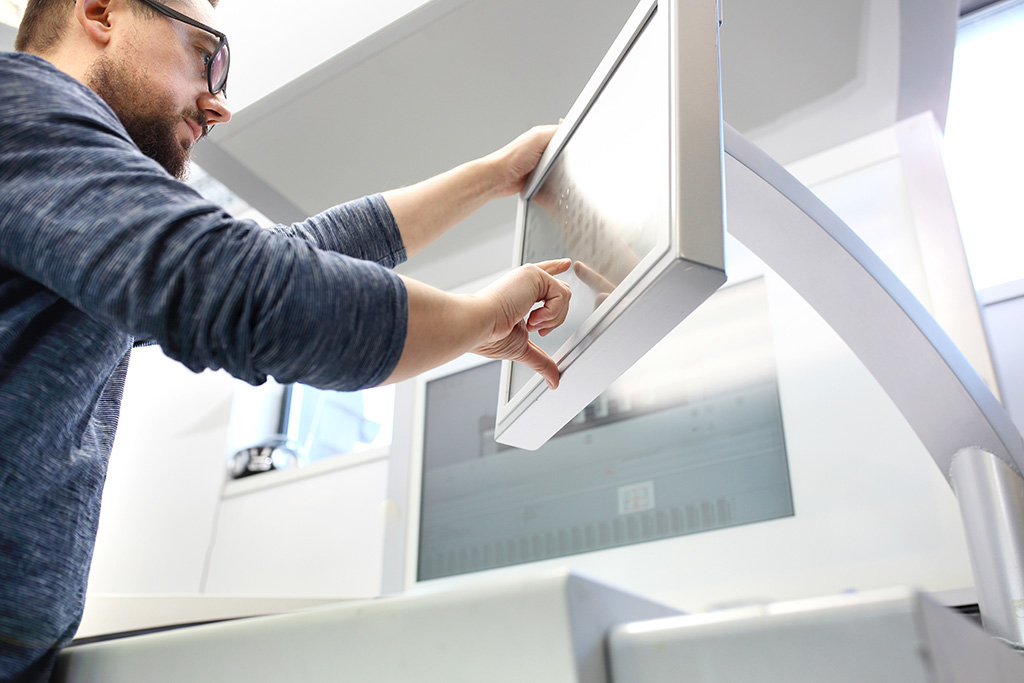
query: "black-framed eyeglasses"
216, 64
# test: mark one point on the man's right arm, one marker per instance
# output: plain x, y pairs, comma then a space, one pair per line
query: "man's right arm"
495, 322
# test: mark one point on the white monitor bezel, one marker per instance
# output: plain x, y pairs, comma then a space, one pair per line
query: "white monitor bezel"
688, 263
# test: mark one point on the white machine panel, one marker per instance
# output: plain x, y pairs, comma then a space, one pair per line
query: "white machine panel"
894, 635
549, 627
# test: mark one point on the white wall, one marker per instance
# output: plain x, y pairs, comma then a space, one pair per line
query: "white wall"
164, 528
310, 536
164, 480
7, 34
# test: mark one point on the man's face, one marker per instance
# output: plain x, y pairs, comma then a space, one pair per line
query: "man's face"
155, 81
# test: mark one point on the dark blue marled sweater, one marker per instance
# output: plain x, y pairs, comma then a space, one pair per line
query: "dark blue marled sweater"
99, 245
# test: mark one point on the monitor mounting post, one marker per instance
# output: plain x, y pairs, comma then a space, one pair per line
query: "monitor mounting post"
991, 498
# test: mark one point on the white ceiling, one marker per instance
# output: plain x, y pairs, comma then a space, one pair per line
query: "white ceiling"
322, 28
271, 47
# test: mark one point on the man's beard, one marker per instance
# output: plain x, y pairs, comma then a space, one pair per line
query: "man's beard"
147, 118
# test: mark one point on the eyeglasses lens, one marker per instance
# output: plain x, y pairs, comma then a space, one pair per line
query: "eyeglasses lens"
219, 68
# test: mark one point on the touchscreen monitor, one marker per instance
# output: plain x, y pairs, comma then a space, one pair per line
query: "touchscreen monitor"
631, 190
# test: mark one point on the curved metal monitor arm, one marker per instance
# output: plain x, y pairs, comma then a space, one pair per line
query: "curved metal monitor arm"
963, 426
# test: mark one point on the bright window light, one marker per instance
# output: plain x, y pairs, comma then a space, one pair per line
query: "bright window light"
984, 142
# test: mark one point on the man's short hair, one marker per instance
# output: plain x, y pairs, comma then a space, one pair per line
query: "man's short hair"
43, 25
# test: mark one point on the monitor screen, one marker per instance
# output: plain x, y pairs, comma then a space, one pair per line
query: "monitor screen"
688, 440
630, 189
607, 223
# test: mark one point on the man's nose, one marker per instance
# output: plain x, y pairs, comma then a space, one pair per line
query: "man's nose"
215, 107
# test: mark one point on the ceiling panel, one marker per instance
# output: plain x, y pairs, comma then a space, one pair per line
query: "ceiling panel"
457, 88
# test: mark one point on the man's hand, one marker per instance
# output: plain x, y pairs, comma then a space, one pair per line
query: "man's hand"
511, 299
494, 322
427, 210
518, 158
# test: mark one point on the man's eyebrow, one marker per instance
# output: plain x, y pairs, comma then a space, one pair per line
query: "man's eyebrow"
209, 40
212, 40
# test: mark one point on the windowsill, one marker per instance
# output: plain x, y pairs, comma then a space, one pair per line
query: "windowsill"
240, 487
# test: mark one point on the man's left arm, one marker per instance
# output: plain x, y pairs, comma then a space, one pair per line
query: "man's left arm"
391, 227
426, 210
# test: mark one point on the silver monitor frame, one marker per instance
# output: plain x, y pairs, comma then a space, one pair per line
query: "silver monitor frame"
689, 263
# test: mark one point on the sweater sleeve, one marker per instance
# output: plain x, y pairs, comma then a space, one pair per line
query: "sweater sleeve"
86, 215
364, 229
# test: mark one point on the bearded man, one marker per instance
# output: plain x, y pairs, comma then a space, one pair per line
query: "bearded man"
102, 245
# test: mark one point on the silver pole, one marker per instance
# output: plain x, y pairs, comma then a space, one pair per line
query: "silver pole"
991, 498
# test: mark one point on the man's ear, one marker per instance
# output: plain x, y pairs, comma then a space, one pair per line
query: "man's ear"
94, 17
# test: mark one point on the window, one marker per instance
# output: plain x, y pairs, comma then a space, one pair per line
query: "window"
325, 423
984, 141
